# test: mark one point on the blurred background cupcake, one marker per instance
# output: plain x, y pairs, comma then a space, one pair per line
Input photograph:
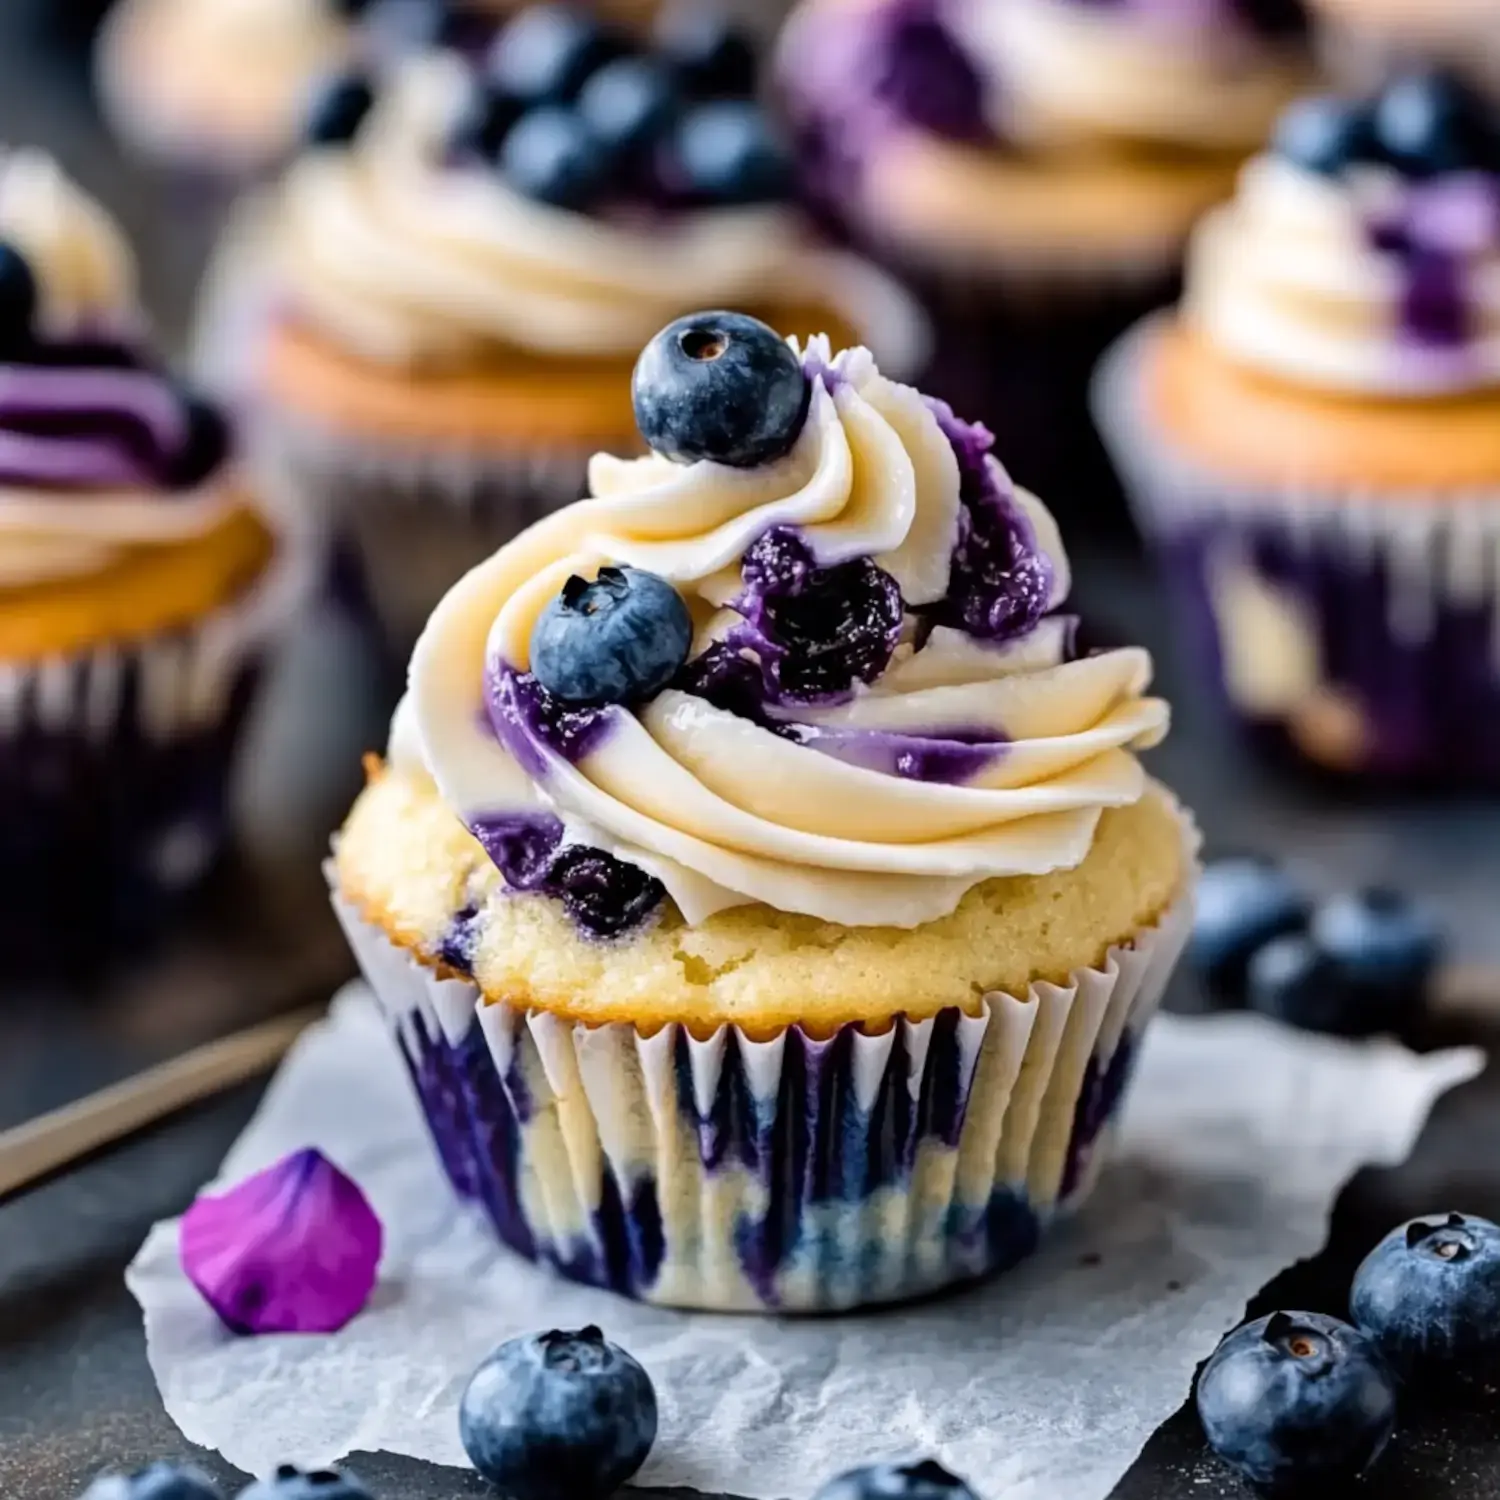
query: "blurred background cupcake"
1034, 167
139, 590
1365, 41
448, 292
1314, 437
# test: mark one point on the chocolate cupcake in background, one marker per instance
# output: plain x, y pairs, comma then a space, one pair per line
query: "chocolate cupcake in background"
1313, 438
140, 590
1033, 167
767, 898
1365, 42
446, 296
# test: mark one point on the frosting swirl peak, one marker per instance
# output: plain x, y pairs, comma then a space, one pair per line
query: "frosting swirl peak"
881, 708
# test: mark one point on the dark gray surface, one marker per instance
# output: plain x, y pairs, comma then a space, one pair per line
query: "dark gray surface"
75, 1391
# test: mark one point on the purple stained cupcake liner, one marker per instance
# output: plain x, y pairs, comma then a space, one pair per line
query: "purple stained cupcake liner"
114, 779
790, 1174
1356, 629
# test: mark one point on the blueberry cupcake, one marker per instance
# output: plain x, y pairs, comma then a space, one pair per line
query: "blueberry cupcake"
765, 895
1314, 436
1366, 41
456, 294
138, 590
1034, 169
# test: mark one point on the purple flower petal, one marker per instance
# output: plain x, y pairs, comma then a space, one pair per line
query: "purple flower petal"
293, 1249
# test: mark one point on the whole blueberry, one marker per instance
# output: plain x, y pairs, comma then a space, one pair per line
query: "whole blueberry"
925, 1479
1325, 134
548, 52
1297, 1398
19, 297
484, 123
721, 387
292, 1483
558, 1414
618, 639
1243, 903
712, 56
339, 107
727, 152
1427, 123
158, 1481
549, 155
1291, 979
629, 105
1429, 1294
1385, 945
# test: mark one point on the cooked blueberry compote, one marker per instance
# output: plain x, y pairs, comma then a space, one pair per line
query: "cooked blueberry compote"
578, 114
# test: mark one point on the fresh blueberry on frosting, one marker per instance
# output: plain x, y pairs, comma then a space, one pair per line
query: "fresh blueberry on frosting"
339, 108
925, 1479
18, 298
728, 152
629, 105
720, 387
548, 52
1325, 134
558, 1414
550, 155
484, 123
1428, 123
712, 57
619, 638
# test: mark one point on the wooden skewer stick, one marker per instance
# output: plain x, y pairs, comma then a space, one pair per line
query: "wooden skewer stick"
45, 1145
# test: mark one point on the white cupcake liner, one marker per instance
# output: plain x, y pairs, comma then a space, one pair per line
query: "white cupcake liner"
1364, 622
790, 1174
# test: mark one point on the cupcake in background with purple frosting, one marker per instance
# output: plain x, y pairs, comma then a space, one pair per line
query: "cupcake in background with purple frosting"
1034, 167
139, 588
1313, 439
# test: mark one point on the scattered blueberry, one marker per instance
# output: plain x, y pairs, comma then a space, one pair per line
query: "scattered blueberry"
548, 52
1292, 980
727, 152
1297, 1398
292, 1483
558, 1414
618, 639
1385, 946
629, 105
712, 56
1429, 1293
18, 298
1243, 903
159, 1481
924, 1480
721, 387
338, 110
1325, 134
205, 446
550, 155
1427, 123
487, 118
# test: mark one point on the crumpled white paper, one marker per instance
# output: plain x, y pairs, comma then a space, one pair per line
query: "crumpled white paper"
1046, 1382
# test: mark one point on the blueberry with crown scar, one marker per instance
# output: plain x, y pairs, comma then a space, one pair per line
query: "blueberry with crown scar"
925, 1479
1429, 1294
1297, 1399
558, 1414
158, 1481
618, 639
720, 387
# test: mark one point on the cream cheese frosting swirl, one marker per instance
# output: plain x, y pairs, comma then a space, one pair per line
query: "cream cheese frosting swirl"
408, 259
1191, 73
1365, 282
941, 732
100, 451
